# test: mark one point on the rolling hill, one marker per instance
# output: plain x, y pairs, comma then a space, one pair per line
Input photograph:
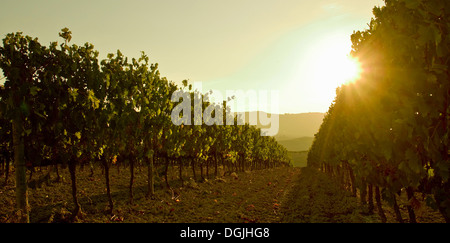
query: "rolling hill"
297, 144
292, 126
296, 133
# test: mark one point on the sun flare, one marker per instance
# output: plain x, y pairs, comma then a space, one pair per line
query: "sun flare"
334, 66
324, 65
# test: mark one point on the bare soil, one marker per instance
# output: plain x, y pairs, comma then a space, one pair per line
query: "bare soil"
280, 195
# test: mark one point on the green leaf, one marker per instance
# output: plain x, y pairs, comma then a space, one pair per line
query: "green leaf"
412, 4
426, 34
430, 202
78, 135
25, 109
34, 90
149, 153
432, 78
413, 161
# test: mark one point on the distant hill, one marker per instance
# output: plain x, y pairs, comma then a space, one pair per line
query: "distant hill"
299, 125
295, 125
296, 131
297, 144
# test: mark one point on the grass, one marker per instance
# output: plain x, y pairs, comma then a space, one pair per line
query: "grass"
298, 158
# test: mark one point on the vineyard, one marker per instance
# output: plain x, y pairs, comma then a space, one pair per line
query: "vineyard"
89, 140
63, 108
387, 133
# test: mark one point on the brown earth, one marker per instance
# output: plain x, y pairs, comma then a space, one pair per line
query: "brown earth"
298, 195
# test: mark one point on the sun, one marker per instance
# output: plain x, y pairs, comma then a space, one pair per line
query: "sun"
322, 65
334, 66
318, 66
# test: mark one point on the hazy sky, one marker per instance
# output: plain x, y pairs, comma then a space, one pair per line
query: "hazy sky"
233, 44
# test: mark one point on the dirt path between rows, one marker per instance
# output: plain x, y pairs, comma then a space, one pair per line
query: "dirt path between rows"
245, 197
316, 198
280, 195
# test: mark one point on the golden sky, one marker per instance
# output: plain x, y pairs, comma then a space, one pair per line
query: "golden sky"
232, 44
